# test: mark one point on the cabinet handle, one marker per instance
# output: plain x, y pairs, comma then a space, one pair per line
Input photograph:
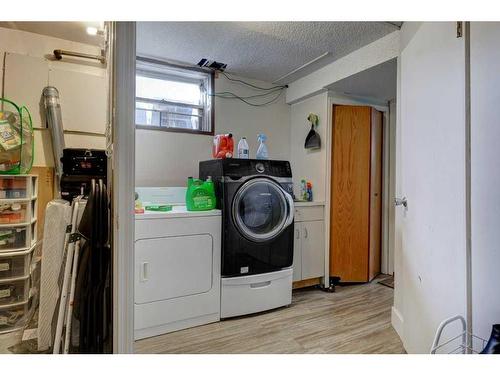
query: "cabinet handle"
144, 271
305, 233
263, 284
298, 234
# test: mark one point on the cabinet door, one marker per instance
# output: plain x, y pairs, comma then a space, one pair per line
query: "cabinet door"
313, 249
297, 253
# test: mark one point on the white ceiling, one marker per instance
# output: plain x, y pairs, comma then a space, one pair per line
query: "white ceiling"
74, 31
259, 50
378, 82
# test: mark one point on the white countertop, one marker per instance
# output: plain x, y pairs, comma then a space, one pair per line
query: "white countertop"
307, 203
177, 211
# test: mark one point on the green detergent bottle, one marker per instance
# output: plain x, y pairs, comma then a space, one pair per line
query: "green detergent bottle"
200, 196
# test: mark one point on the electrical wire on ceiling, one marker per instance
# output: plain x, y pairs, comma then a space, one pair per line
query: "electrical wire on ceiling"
278, 90
252, 85
230, 95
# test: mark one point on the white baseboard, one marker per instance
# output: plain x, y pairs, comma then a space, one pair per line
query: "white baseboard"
397, 322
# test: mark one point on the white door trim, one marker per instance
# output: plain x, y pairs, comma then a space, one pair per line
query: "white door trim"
123, 94
389, 179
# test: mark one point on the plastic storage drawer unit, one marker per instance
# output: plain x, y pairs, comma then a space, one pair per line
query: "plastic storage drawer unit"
14, 291
15, 237
13, 317
19, 274
15, 265
14, 212
14, 187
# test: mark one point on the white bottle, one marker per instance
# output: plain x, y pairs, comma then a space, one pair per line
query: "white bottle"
243, 151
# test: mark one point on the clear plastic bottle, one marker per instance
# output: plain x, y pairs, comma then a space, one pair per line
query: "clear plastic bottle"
243, 150
303, 190
262, 152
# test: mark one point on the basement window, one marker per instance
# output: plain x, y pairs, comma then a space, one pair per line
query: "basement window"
173, 98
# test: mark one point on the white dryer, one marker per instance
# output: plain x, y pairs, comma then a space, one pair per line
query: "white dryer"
177, 270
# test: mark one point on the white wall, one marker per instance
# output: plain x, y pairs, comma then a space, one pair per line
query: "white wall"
309, 164
41, 46
377, 52
313, 164
485, 179
167, 158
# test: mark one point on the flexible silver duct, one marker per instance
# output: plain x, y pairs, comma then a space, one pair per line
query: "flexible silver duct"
55, 124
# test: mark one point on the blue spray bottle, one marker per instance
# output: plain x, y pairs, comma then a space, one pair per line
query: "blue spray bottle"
262, 150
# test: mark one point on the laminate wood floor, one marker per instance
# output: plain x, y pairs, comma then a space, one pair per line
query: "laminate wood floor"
354, 319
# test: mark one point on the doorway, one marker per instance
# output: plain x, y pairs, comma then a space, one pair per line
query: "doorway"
376, 88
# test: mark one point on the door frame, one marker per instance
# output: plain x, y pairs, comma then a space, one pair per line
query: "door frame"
123, 103
123, 44
387, 155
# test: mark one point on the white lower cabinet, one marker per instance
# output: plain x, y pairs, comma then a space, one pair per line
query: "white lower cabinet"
309, 243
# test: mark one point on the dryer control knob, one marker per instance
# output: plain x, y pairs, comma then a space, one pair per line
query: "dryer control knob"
260, 167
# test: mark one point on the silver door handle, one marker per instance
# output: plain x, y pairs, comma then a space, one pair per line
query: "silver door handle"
401, 202
298, 234
305, 232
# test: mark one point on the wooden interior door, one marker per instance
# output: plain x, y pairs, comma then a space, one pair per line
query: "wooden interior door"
350, 193
375, 194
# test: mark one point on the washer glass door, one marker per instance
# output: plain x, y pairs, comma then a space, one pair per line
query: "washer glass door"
261, 209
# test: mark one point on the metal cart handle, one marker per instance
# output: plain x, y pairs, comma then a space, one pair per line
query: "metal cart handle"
444, 323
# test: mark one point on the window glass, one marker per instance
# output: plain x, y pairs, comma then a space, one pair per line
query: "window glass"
153, 88
173, 98
260, 210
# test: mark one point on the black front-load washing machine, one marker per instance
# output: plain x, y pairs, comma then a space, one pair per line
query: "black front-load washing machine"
256, 199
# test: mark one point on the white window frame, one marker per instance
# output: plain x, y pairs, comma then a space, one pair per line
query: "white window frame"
153, 68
